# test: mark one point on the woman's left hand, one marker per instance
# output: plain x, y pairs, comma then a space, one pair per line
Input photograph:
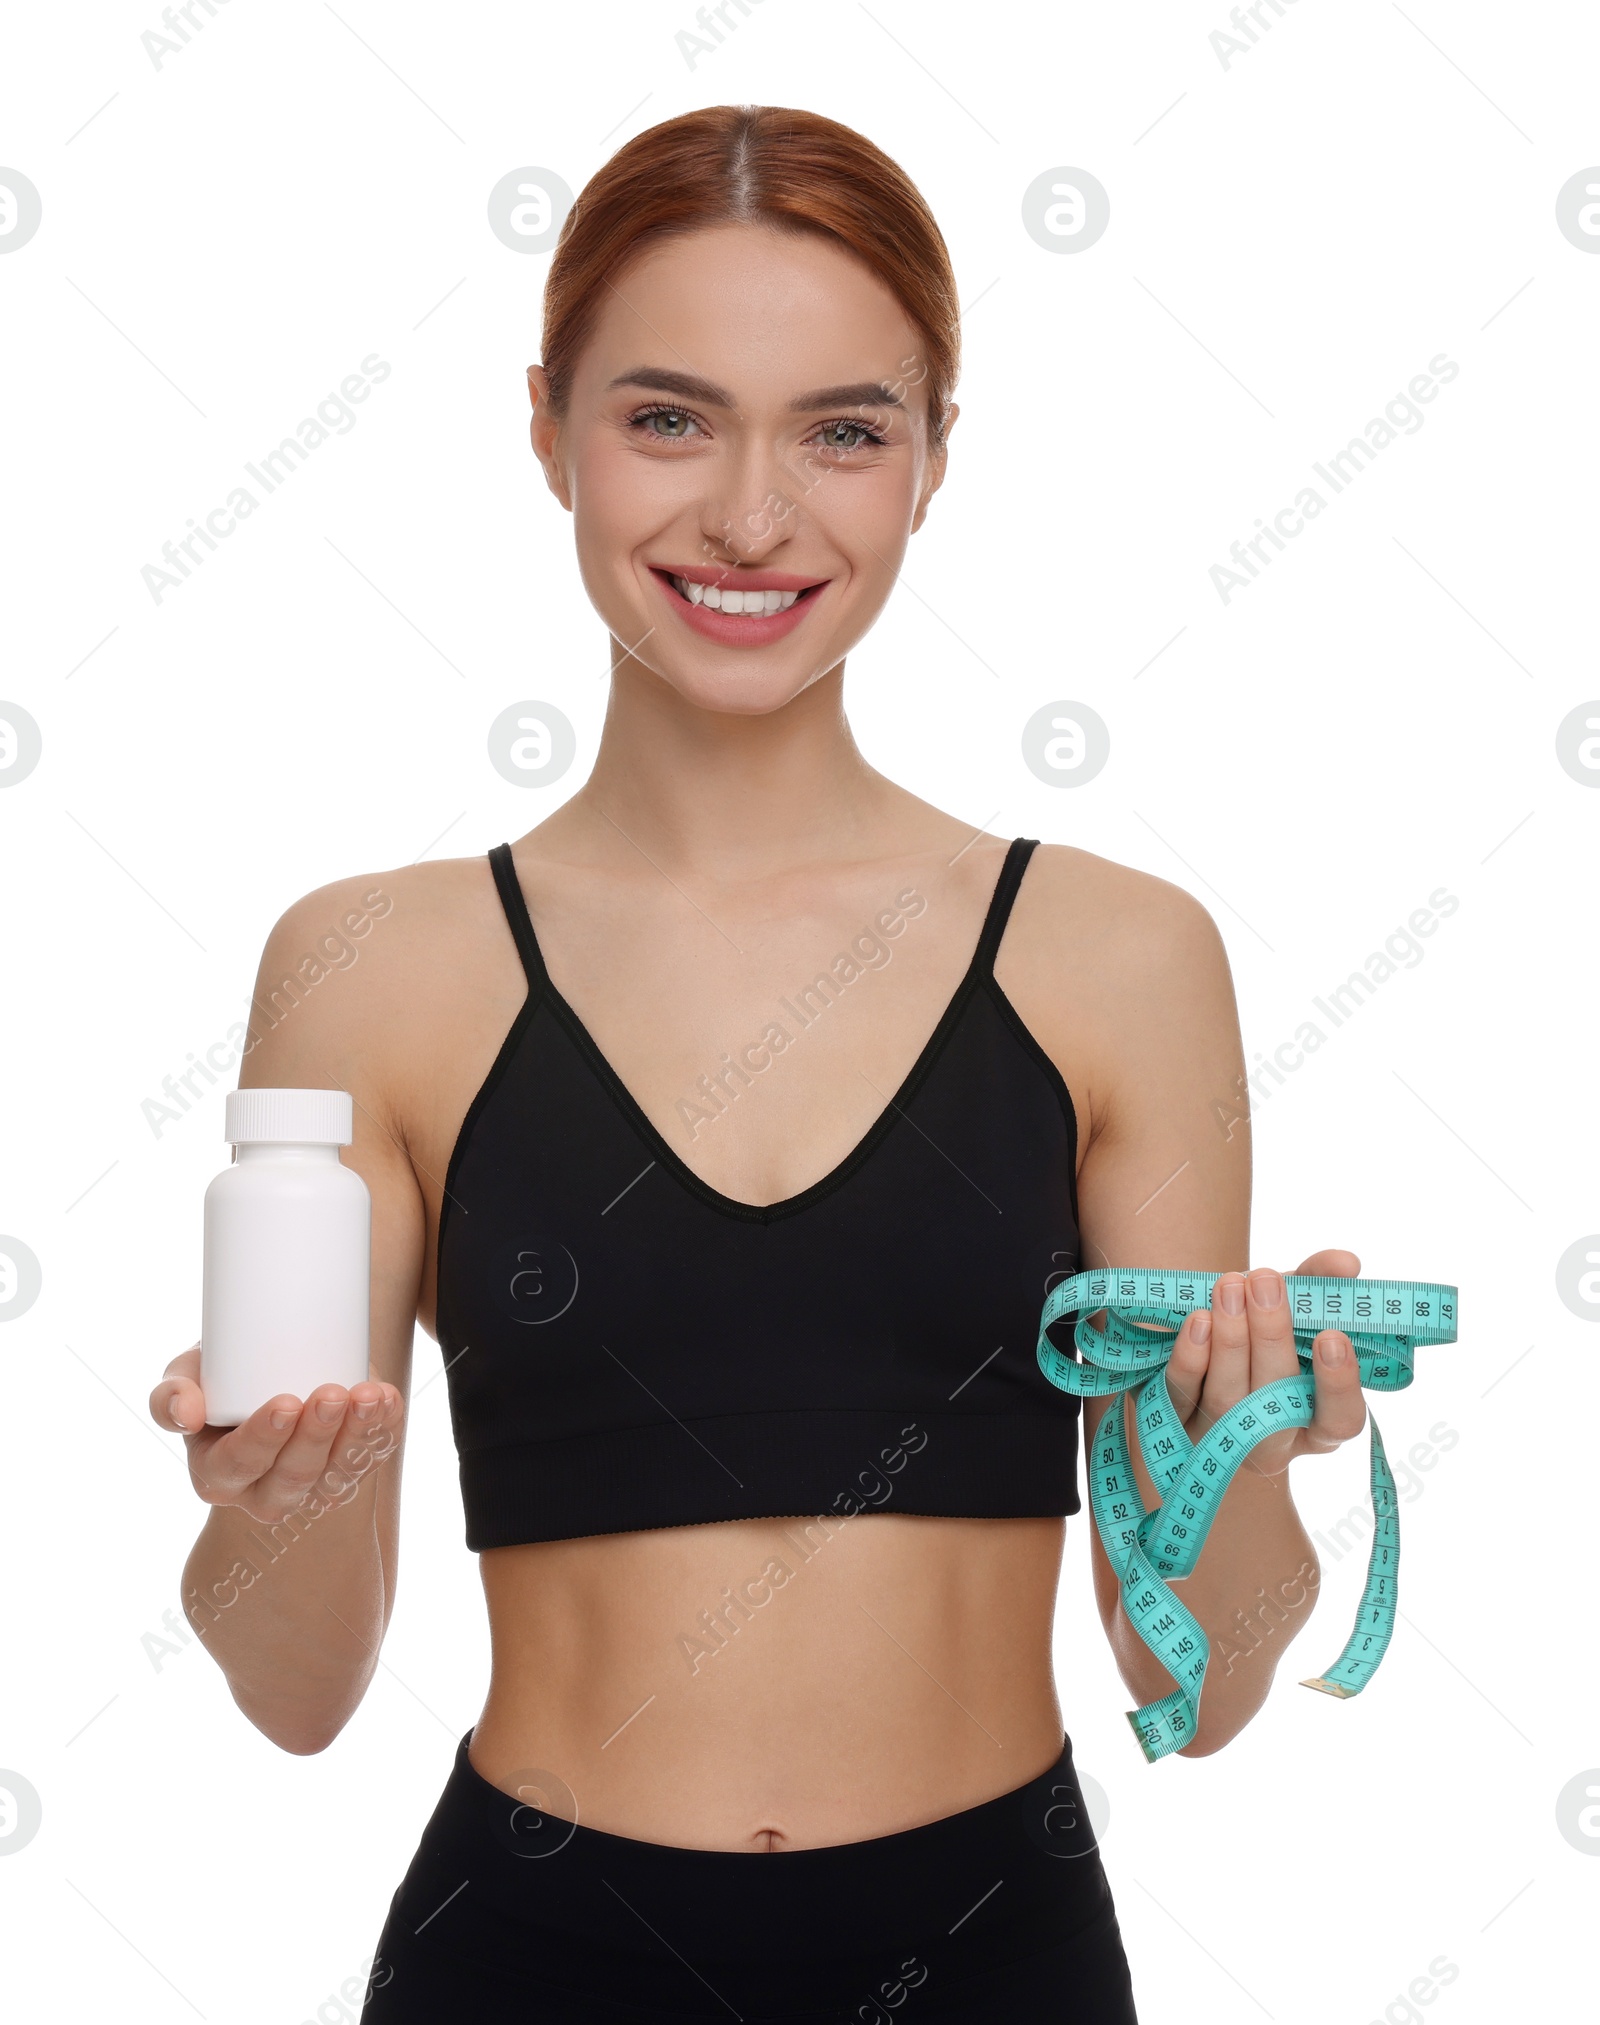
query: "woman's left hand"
1214, 1368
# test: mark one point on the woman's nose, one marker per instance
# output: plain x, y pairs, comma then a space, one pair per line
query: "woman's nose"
752, 502
749, 530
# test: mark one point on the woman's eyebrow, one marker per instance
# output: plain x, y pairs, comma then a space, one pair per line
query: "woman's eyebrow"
660, 380
854, 394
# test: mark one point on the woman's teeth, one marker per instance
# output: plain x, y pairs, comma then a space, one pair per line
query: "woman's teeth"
733, 601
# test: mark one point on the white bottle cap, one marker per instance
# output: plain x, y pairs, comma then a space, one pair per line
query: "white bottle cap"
320, 1117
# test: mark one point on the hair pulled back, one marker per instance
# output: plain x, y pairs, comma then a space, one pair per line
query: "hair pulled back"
792, 170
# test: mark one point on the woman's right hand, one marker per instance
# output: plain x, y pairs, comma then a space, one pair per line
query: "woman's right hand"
269, 1463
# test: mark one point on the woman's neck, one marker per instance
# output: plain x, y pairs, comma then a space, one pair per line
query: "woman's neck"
741, 793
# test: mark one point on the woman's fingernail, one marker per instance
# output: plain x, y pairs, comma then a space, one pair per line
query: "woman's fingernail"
366, 1408
1232, 1293
329, 1410
1200, 1326
1333, 1346
282, 1418
176, 1420
1268, 1288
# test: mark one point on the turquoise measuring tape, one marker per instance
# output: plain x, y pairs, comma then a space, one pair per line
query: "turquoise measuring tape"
1385, 1321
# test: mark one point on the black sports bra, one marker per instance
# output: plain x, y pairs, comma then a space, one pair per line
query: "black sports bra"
626, 1347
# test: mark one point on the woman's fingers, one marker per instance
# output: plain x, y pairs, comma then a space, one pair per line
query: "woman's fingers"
1340, 1411
1189, 1362
225, 1462
330, 1444
1250, 1326
304, 1454
178, 1403
268, 1463
1272, 1351
1251, 1344
1228, 1379
1272, 1356
175, 1399
301, 1455
1330, 1265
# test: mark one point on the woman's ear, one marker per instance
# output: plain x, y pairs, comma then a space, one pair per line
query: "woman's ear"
933, 477
544, 433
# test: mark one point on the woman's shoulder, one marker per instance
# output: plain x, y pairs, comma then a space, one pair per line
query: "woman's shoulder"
379, 958
1080, 904
393, 915
379, 983
1103, 959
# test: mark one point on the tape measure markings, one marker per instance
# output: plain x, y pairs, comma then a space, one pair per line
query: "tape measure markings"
1385, 1320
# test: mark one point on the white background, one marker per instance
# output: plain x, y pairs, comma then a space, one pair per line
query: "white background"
1293, 236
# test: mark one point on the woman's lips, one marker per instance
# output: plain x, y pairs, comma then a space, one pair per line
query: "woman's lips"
738, 629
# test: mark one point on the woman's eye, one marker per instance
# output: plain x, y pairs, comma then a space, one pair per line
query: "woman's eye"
831, 431
674, 425
675, 418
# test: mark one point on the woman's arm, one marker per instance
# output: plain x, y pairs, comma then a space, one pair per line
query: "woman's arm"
291, 1582
1166, 1183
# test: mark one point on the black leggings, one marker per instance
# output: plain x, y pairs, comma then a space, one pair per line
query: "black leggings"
999, 1912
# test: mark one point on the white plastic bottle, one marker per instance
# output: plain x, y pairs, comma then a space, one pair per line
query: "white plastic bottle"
288, 1247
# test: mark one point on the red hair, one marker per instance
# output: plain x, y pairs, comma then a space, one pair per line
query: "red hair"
773, 165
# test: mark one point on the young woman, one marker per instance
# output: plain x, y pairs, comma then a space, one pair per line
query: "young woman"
728, 1131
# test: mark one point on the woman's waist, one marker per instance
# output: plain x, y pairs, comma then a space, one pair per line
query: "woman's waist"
750, 1686
753, 1778
916, 1894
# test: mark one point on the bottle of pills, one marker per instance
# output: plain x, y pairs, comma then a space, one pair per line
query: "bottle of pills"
288, 1251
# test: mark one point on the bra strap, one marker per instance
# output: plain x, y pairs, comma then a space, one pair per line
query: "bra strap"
516, 906
521, 922
1005, 892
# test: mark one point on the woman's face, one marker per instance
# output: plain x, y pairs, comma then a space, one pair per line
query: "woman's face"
749, 416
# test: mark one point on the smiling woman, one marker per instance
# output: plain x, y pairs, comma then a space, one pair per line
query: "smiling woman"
663, 1364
